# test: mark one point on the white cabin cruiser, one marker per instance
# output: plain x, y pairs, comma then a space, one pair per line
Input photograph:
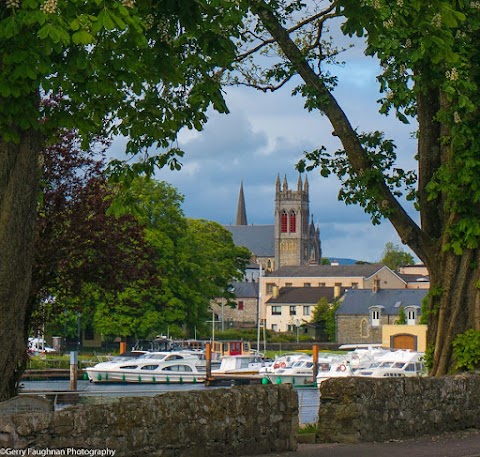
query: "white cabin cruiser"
299, 372
152, 367
241, 364
395, 364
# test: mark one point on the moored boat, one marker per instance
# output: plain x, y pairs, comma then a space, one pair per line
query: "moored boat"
154, 367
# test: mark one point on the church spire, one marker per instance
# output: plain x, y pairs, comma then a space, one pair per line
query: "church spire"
299, 183
241, 211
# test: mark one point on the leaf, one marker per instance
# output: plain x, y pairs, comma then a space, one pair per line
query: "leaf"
82, 37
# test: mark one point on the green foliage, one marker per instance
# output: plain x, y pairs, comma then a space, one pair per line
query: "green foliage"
324, 312
466, 350
394, 257
402, 317
143, 70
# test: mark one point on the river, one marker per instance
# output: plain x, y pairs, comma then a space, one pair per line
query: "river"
308, 398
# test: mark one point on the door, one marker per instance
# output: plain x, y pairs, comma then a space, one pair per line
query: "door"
404, 342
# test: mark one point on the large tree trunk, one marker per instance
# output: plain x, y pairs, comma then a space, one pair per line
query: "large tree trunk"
454, 305
19, 184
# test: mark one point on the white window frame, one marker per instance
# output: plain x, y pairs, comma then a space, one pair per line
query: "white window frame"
375, 315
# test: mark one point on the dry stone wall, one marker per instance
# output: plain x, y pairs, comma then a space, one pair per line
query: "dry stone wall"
364, 409
216, 422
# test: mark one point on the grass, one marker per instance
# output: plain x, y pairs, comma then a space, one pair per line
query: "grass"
307, 428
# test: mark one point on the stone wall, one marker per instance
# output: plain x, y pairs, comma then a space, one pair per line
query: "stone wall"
364, 409
215, 422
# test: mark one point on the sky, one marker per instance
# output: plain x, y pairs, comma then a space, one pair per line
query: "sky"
264, 136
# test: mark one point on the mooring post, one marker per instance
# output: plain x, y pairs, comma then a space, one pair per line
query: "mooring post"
315, 362
73, 370
208, 360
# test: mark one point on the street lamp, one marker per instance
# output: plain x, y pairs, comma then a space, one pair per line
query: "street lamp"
297, 323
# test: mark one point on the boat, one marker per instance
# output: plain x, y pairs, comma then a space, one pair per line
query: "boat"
282, 361
340, 366
395, 364
241, 364
298, 372
152, 367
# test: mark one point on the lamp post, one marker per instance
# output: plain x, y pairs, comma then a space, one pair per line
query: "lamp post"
297, 323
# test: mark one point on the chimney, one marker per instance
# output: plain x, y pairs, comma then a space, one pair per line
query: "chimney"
275, 292
337, 291
376, 284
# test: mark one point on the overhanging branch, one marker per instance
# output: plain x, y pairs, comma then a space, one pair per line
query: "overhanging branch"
410, 233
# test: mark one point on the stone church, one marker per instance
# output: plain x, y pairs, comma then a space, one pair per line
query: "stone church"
293, 239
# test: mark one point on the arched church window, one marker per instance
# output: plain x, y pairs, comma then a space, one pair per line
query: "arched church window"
293, 222
364, 328
284, 222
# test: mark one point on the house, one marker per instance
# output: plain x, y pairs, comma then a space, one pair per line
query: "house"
362, 314
244, 313
292, 307
358, 276
416, 276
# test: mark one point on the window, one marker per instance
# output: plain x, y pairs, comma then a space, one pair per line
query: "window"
307, 284
183, 368
284, 222
306, 310
321, 284
375, 317
354, 285
274, 327
276, 310
270, 287
288, 284
240, 305
411, 316
293, 310
149, 367
364, 328
291, 328
293, 222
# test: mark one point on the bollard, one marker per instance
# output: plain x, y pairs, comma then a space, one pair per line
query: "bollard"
73, 370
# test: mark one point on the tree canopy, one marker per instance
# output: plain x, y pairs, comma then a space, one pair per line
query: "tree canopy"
141, 69
429, 60
394, 256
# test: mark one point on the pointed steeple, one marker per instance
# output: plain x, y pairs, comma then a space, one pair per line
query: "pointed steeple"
285, 184
306, 186
277, 183
241, 210
299, 184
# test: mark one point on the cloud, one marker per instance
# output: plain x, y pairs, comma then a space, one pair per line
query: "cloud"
264, 136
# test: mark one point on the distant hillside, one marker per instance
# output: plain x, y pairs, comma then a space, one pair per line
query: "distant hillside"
341, 261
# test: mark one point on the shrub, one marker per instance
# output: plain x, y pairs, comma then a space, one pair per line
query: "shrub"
466, 350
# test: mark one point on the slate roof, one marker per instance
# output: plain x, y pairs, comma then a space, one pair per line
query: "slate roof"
329, 271
413, 278
304, 295
245, 289
259, 239
358, 301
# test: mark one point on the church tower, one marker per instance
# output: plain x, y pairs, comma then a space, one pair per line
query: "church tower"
296, 241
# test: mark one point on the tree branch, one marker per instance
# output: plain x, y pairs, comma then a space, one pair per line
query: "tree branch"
410, 233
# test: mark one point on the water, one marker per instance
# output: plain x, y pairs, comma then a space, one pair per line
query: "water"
308, 398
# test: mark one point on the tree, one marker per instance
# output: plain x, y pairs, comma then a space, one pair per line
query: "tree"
324, 312
394, 257
196, 260
141, 69
429, 60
